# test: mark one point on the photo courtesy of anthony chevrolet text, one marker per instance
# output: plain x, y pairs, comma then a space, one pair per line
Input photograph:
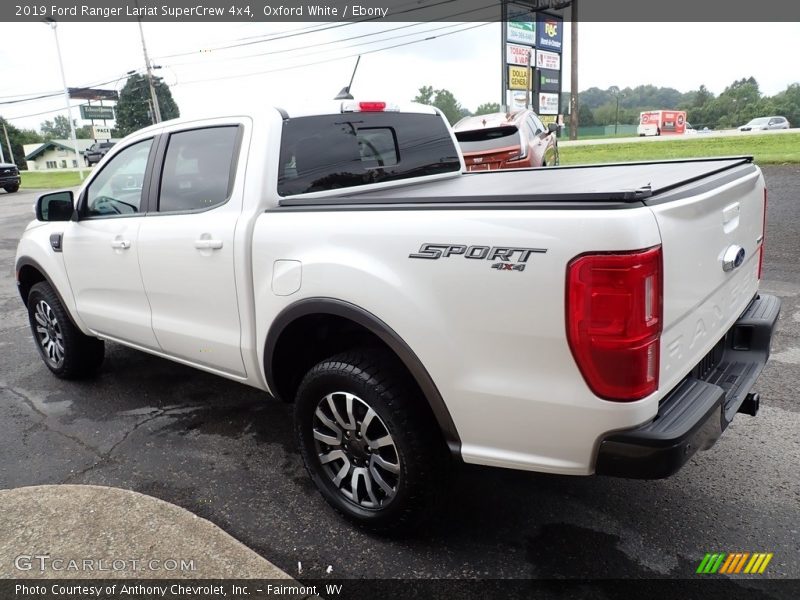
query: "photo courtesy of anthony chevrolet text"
399, 299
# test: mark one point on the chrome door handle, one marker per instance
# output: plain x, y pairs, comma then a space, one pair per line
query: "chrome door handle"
121, 244
204, 244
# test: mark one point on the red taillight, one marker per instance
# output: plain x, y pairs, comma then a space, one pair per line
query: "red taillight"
371, 106
763, 236
614, 320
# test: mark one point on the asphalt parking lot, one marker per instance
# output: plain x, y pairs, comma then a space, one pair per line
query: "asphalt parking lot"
226, 453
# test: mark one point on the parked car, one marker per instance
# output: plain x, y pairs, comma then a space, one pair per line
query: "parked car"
94, 153
510, 140
602, 319
9, 177
765, 123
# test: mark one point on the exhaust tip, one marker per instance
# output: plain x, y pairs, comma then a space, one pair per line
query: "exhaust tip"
750, 405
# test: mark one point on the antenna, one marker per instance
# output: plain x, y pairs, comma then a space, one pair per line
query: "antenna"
345, 93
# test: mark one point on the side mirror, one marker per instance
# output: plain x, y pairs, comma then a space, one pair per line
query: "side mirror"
57, 206
552, 128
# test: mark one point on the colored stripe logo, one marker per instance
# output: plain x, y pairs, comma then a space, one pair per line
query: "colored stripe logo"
734, 563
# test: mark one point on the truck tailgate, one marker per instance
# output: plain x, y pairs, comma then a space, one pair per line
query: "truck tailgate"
703, 225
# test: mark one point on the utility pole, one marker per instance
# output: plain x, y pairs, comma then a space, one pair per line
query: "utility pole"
504, 70
573, 85
153, 97
53, 26
10, 151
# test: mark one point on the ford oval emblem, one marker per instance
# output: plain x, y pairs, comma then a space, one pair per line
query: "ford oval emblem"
732, 257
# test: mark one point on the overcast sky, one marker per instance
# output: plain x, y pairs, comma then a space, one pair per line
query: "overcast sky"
679, 55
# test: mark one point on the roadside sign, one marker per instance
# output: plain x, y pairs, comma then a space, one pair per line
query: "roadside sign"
518, 78
548, 104
548, 60
549, 33
516, 99
548, 80
101, 133
97, 112
521, 28
92, 94
518, 55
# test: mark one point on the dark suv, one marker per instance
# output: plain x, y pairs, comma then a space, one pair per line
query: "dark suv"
9, 177
95, 152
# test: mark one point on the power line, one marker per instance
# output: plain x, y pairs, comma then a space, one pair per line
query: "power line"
427, 39
299, 32
331, 42
59, 93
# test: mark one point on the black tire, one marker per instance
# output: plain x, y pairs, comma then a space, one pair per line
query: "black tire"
11, 189
87, 161
416, 452
77, 355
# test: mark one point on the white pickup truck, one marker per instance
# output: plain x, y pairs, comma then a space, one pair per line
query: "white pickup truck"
573, 320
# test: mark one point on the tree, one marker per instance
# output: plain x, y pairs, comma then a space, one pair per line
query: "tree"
447, 103
787, 104
425, 95
585, 116
57, 129
443, 100
18, 137
133, 108
84, 133
487, 108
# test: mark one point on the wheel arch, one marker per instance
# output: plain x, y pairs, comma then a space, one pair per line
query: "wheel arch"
29, 273
295, 319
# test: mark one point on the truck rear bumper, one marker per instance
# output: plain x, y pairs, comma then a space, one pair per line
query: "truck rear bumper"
697, 411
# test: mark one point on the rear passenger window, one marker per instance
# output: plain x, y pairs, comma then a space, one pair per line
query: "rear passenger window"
198, 169
351, 149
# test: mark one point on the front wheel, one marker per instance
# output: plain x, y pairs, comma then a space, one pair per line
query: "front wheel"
67, 352
369, 442
11, 189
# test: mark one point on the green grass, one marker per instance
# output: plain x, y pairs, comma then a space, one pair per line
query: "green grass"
769, 149
48, 180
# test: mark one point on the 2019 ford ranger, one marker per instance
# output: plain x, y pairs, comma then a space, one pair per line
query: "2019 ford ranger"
573, 320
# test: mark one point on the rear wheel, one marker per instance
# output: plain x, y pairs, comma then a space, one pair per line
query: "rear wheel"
67, 352
369, 443
12, 188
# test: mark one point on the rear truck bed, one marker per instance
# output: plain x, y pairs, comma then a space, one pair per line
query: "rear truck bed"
715, 329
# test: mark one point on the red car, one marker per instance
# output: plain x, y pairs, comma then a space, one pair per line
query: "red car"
510, 140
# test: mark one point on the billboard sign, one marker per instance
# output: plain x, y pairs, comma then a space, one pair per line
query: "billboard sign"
92, 94
548, 80
518, 55
549, 33
518, 78
548, 104
516, 99
521, 26
548, 60
101, 133
96, 112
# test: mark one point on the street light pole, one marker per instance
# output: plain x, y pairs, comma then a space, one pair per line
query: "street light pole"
616, 120
153, 97
54, 26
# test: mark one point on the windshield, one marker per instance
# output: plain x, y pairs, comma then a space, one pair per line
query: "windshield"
493, 138
761, 121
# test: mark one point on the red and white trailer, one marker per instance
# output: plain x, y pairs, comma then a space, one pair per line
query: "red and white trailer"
661, 122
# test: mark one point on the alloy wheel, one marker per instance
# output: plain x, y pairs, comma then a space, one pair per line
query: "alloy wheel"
356, 450
49, 333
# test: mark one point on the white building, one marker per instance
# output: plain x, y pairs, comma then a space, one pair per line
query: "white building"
55, 155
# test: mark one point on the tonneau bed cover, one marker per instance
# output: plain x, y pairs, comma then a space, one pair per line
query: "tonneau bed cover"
592, 186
